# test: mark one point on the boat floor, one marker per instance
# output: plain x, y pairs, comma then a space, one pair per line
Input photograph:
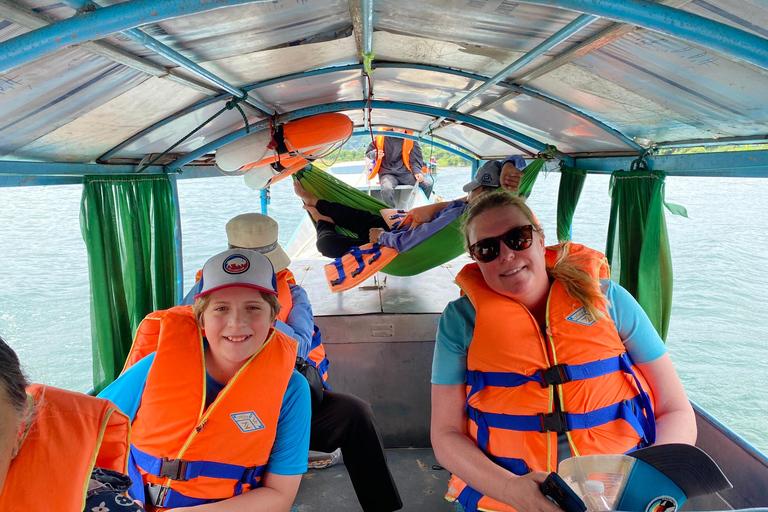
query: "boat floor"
422, 487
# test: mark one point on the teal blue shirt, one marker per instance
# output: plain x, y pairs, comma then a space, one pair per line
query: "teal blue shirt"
457, 326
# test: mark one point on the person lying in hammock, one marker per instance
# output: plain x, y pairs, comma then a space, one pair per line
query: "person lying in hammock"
429, 218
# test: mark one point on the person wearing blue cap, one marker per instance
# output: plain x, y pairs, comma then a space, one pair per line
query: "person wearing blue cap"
200, 432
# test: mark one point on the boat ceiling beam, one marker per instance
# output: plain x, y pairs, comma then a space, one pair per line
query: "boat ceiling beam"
674, 23
99, 24
21, 174
549, 43
735, 164
28, 18
463, 153
503, 133
377, 65
169, 53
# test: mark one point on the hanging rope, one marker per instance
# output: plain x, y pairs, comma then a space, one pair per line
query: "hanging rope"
233, 103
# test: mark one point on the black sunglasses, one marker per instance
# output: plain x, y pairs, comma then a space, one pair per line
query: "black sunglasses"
517, 239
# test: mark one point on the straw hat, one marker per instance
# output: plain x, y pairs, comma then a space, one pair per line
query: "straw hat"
259, 233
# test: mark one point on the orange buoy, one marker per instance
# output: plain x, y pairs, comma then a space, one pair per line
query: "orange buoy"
277, 153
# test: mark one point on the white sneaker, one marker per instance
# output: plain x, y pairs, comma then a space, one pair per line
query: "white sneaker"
321, 460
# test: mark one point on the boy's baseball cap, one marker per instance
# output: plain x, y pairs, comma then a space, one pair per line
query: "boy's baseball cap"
238, 267
655, 479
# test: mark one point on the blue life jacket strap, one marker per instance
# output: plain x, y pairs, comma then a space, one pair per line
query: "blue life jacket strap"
182, 470
340, 270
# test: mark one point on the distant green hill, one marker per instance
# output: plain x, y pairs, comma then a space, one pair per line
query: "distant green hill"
355, 148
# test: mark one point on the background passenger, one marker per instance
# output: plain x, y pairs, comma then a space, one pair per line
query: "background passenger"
59, 450
397, 162
218, 410
522, 361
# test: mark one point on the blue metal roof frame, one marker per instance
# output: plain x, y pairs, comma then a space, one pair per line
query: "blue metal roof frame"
735, 43
478, 123
377, 65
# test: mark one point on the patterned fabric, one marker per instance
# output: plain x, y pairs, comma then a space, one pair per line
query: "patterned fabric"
106, 493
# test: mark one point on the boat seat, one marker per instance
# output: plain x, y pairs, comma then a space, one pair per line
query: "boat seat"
421, 484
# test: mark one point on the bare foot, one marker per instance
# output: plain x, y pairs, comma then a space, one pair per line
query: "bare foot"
305, 196
316, 215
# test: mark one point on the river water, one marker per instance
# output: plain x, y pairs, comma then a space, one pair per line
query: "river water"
717, 336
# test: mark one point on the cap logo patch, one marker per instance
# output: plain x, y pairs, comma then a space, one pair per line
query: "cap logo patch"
662, 504
247, 421
486, 178
236, 264
580, 316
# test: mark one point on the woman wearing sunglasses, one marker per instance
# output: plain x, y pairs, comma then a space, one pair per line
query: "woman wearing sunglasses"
542, 359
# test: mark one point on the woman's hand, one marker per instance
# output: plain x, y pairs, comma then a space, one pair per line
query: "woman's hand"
524, 493
423, 214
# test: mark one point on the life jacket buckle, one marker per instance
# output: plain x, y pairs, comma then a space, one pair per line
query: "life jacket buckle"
554, 422
553, 375
155, 494
175, 469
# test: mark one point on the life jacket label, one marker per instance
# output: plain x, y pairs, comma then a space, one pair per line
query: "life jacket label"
580, 316
247, 421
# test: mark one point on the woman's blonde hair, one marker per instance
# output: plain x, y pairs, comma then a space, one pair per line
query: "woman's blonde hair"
201, 304
578, 283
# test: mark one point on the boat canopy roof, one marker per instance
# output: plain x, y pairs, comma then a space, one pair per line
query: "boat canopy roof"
601, 80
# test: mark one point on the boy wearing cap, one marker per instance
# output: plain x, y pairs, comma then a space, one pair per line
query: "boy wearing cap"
426, 220
200, 434
339, 420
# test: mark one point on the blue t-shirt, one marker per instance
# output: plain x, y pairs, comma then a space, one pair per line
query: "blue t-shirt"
457, 326
291, 448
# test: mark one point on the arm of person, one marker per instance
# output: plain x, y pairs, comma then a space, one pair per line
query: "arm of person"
675, 419
300, 324
416, 161
453, 448
423, 214
287, 462
371, 151
403, 240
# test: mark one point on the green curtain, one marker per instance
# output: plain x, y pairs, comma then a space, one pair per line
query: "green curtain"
638, 246
571, 185
128, 226
442, 247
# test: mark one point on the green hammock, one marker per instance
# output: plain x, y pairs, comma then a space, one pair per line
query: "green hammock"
442, 247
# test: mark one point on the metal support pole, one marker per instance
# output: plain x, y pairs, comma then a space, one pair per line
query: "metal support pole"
177, 238
264, 195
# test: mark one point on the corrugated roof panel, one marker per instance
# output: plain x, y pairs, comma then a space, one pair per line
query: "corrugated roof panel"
238, 30
96, 132
312, 90
714, 94
552, 125
491, 23
165, 136
39, 97
255, 67
481, 144
748, 15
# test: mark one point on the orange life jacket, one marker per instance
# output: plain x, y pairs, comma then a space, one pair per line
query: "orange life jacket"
512, 371
379, 142
360, 263
188, 455
72, 433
